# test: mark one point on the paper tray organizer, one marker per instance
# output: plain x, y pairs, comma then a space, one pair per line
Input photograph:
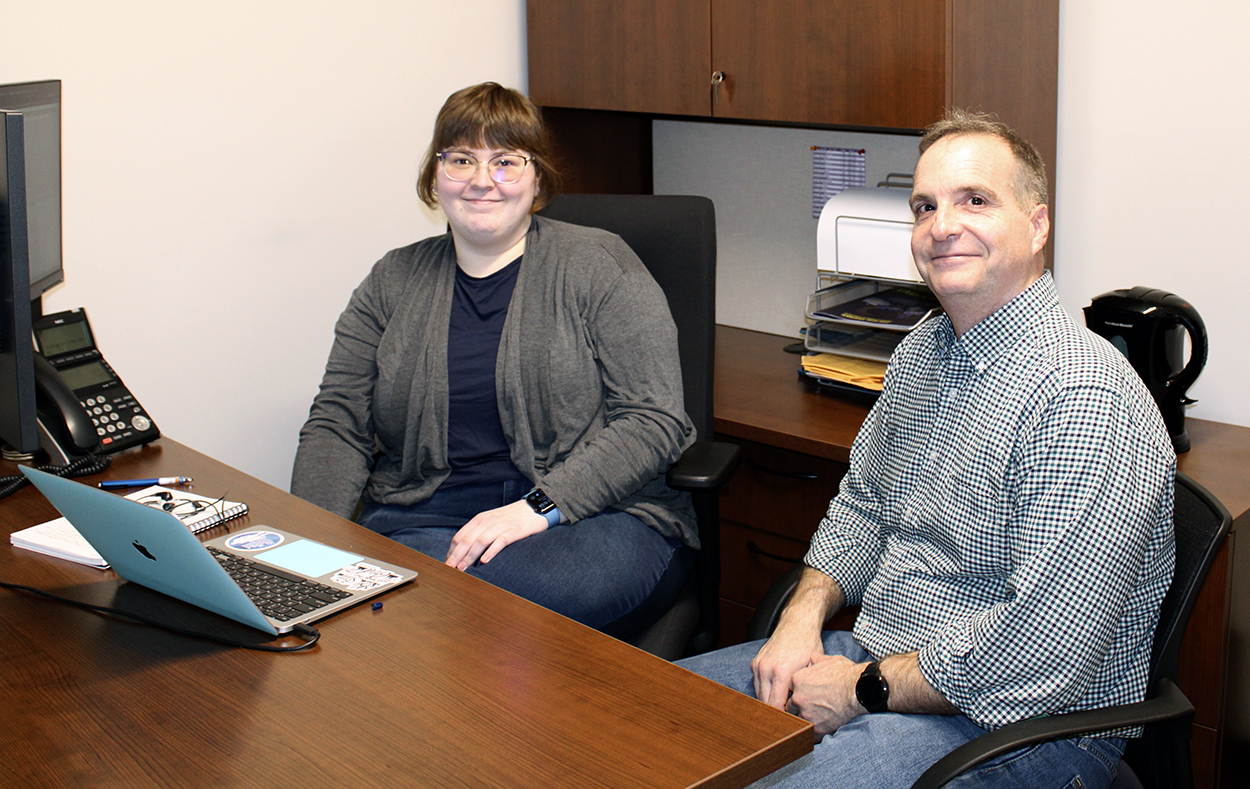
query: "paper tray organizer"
863, 247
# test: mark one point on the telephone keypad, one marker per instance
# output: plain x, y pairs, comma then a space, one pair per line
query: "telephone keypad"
117, 418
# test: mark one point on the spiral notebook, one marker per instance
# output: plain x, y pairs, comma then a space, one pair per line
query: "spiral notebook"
199, 513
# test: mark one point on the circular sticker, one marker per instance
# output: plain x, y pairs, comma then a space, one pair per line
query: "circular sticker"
254, 540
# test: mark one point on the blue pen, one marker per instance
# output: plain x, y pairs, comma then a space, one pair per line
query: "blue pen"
140, 483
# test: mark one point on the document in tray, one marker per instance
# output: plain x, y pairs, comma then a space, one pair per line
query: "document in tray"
845, 340
889, 308
863, 373
58, 538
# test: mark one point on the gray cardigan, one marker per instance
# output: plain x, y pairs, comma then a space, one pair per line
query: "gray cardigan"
587, 379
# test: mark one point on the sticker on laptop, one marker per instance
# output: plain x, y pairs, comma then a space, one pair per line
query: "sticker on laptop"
254, 540
361, 577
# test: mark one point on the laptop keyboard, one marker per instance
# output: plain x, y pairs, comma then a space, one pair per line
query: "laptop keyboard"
279, 595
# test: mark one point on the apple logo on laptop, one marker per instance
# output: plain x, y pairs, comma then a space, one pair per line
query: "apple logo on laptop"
143, 550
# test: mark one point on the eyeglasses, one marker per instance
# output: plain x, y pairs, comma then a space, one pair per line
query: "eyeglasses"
503, 168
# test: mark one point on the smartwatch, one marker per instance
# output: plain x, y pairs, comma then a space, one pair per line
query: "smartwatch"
872, 691
542, 504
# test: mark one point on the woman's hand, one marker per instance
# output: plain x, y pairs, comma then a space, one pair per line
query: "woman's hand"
491, 531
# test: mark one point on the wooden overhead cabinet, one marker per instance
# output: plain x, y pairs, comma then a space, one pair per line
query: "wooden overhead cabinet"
887, 64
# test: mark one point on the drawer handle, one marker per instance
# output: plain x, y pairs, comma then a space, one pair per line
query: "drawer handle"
775, 472
753, 548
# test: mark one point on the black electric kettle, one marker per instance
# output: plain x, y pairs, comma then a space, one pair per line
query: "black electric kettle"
1146, 325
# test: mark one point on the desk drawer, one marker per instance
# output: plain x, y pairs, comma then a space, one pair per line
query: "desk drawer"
778, 491
752, 559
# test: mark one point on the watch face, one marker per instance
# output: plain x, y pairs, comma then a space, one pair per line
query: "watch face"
872, 691
541, 503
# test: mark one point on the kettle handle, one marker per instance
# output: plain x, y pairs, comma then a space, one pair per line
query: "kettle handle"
1187, 316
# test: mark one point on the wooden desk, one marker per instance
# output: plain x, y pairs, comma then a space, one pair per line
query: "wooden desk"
452, 683
796, 442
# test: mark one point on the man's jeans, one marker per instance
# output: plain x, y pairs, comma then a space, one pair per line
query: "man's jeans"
594, 571
891, 750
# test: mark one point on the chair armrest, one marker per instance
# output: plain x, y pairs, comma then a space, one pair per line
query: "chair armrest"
769, 608
1167, 704
704, 464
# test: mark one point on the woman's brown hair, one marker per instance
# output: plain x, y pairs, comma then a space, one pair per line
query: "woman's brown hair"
490, 116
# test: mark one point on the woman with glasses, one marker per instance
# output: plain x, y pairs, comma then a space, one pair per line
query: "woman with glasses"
506, 397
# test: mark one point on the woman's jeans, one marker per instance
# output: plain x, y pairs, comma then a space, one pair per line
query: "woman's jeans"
888, 749
594, 571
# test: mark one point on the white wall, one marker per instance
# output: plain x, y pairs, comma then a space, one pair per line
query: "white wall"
231, 170
1154, 169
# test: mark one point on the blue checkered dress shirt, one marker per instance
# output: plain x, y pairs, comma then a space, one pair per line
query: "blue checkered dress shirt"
1008, 514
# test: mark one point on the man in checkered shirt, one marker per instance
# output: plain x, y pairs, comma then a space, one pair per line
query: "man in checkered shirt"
1006, 522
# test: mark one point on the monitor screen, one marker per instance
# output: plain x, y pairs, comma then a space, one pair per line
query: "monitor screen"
18, 427
40, 105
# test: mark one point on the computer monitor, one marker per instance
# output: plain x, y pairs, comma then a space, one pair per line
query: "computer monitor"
18, 428
40, 105
30, 244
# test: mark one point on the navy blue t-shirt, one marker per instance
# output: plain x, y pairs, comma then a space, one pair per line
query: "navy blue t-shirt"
476, 446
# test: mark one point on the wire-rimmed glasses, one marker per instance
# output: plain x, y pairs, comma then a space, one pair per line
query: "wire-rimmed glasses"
503, 168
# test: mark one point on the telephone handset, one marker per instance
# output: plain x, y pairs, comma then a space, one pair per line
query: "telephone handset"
83, 406
61, 414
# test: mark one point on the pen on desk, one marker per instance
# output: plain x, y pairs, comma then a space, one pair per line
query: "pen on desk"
139, 483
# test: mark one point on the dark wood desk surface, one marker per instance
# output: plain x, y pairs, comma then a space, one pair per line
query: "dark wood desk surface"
760, 397
452, 683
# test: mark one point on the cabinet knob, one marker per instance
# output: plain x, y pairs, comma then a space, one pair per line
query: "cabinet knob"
717, 78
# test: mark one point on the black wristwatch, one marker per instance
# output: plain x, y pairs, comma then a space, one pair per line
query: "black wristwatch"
542, 504
872, 691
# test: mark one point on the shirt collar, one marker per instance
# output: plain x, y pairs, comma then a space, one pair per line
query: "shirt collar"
1002, 330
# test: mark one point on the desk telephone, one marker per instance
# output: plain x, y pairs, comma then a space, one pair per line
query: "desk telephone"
82, 405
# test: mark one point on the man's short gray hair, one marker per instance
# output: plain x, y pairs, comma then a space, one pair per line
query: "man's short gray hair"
1030, 187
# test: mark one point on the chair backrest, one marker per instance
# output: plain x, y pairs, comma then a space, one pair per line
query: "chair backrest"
1201, 522
1161, 757
675, 237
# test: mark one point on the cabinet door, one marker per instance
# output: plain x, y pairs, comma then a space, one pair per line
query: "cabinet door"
844, 62
650, 56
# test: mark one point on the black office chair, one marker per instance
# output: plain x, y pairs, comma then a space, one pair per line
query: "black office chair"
675, 237
1158, 760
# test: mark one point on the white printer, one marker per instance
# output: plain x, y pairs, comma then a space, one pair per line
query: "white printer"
865, 232
869, 291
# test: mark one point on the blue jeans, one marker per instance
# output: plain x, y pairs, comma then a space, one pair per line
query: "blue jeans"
594, 571
891, 749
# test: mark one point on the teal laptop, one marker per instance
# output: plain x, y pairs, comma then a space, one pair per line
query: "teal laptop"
267, 578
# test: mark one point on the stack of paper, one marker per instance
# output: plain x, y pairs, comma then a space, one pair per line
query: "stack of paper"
864, 373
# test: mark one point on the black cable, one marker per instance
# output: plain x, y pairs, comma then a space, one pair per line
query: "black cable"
84, 466
310, 633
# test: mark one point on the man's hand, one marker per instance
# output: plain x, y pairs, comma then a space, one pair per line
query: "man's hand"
482, 538
774, 666
796, 643
824, 693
